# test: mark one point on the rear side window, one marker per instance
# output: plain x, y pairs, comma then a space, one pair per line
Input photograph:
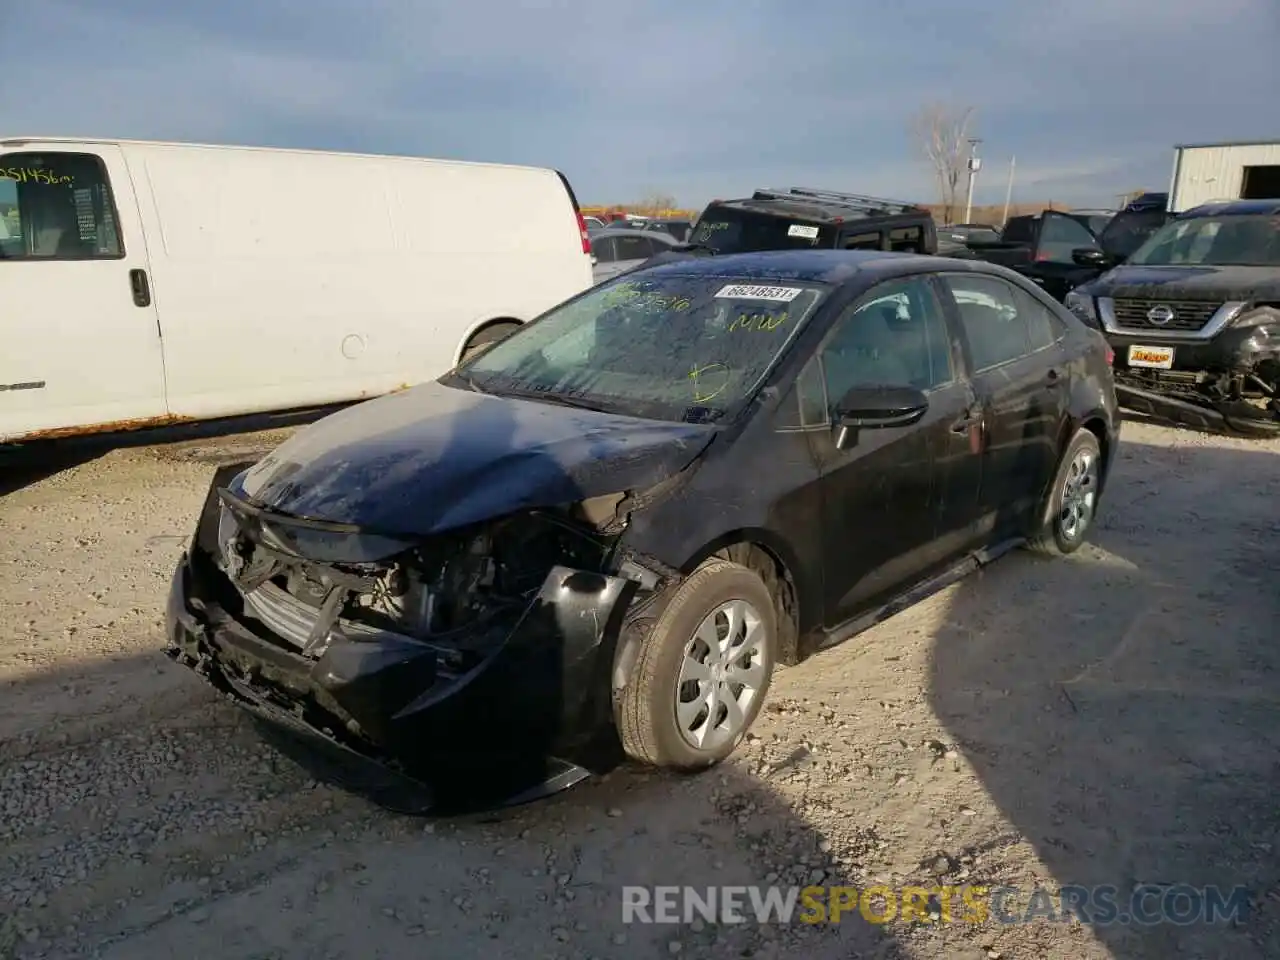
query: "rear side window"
994, 321
1044, 328
57, 206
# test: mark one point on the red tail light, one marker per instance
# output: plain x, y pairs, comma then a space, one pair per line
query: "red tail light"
586, 234
1111, 357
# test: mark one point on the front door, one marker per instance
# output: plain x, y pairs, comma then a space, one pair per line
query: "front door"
1015, 357
880, 492
82, 342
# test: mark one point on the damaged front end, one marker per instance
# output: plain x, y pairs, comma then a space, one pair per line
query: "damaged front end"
1228, 383
469, 653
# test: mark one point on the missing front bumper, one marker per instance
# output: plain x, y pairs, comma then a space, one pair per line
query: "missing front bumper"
533, 716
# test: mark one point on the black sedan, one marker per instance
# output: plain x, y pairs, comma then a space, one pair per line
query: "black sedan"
611, 526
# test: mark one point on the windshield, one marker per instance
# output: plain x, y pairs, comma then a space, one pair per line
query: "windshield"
738, 231
1129, 230
681, 348
1245, 241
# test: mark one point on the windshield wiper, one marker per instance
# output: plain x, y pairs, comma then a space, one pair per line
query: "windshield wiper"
558, 398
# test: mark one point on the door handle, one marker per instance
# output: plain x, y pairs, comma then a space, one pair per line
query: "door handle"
1053, 375
971, 418
140, 287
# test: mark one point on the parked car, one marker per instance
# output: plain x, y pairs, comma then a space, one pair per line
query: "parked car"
619, 250
159, 282
676, 228
594, 223
803, 218
1194, 318
1147, 202
1045, 247
967, 232
612, 525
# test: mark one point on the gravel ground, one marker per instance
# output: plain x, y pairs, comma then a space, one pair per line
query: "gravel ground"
1106, 719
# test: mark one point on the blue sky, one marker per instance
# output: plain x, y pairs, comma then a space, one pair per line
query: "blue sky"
698, 99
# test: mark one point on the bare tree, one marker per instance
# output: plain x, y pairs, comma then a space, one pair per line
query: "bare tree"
941, 134
656, 202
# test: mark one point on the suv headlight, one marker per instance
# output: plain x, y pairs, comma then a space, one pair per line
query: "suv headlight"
1082, 306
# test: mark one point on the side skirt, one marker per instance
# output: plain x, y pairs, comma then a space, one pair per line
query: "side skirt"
826, 639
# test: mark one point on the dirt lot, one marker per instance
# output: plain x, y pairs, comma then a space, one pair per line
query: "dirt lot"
1108, 719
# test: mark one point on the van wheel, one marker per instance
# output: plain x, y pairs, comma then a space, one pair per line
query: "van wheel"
1073, 500
702, 672
482, 340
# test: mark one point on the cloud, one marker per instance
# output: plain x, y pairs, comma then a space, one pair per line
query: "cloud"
699, 100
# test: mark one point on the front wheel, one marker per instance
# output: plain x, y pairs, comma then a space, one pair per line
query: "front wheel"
1073, 500
702, 672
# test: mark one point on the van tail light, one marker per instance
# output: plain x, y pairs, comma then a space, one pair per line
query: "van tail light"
586, 234
1111, 357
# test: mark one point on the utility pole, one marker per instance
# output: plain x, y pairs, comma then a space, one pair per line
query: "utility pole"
975, 165
1008, 192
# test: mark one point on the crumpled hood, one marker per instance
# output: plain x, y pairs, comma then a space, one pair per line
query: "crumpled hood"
433, 458
1189, 282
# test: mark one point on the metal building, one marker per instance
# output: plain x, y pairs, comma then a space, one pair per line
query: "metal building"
1224, 171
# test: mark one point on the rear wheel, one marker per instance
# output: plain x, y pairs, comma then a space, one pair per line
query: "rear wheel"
482, 340
703, 671
1073, 499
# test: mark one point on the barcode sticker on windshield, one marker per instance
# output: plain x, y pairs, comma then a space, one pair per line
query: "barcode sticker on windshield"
736, 291
800, 230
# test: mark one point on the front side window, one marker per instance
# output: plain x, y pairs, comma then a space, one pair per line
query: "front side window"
1243, 241
56, 206
1059, 236
994, 325
674, 347
894, 337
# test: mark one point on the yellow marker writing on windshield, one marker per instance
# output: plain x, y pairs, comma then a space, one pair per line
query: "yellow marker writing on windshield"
702, 394
758, 321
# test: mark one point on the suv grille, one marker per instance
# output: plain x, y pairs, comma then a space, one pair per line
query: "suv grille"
1188, 315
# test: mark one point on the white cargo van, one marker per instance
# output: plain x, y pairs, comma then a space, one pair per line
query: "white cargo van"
149, 283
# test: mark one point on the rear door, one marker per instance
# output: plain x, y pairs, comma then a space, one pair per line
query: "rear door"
82, 342
1014, 354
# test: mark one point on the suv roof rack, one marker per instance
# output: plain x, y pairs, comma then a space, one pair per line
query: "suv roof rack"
856, 201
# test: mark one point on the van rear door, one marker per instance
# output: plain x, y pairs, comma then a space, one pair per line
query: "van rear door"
82, 344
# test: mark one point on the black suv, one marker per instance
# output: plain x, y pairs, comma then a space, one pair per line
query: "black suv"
802, 218
1193, 316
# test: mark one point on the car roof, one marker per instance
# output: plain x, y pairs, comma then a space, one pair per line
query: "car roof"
811, 266
817, 210
1233, 208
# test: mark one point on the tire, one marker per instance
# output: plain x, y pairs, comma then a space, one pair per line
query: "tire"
1073, 499
486, 338
649, 721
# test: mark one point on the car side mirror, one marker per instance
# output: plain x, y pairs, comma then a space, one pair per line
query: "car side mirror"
875, 408
1089, 257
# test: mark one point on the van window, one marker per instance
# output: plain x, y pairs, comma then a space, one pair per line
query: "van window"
57, 206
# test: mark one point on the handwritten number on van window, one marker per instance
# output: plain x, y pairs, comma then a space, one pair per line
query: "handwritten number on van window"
758, 321
29, 175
